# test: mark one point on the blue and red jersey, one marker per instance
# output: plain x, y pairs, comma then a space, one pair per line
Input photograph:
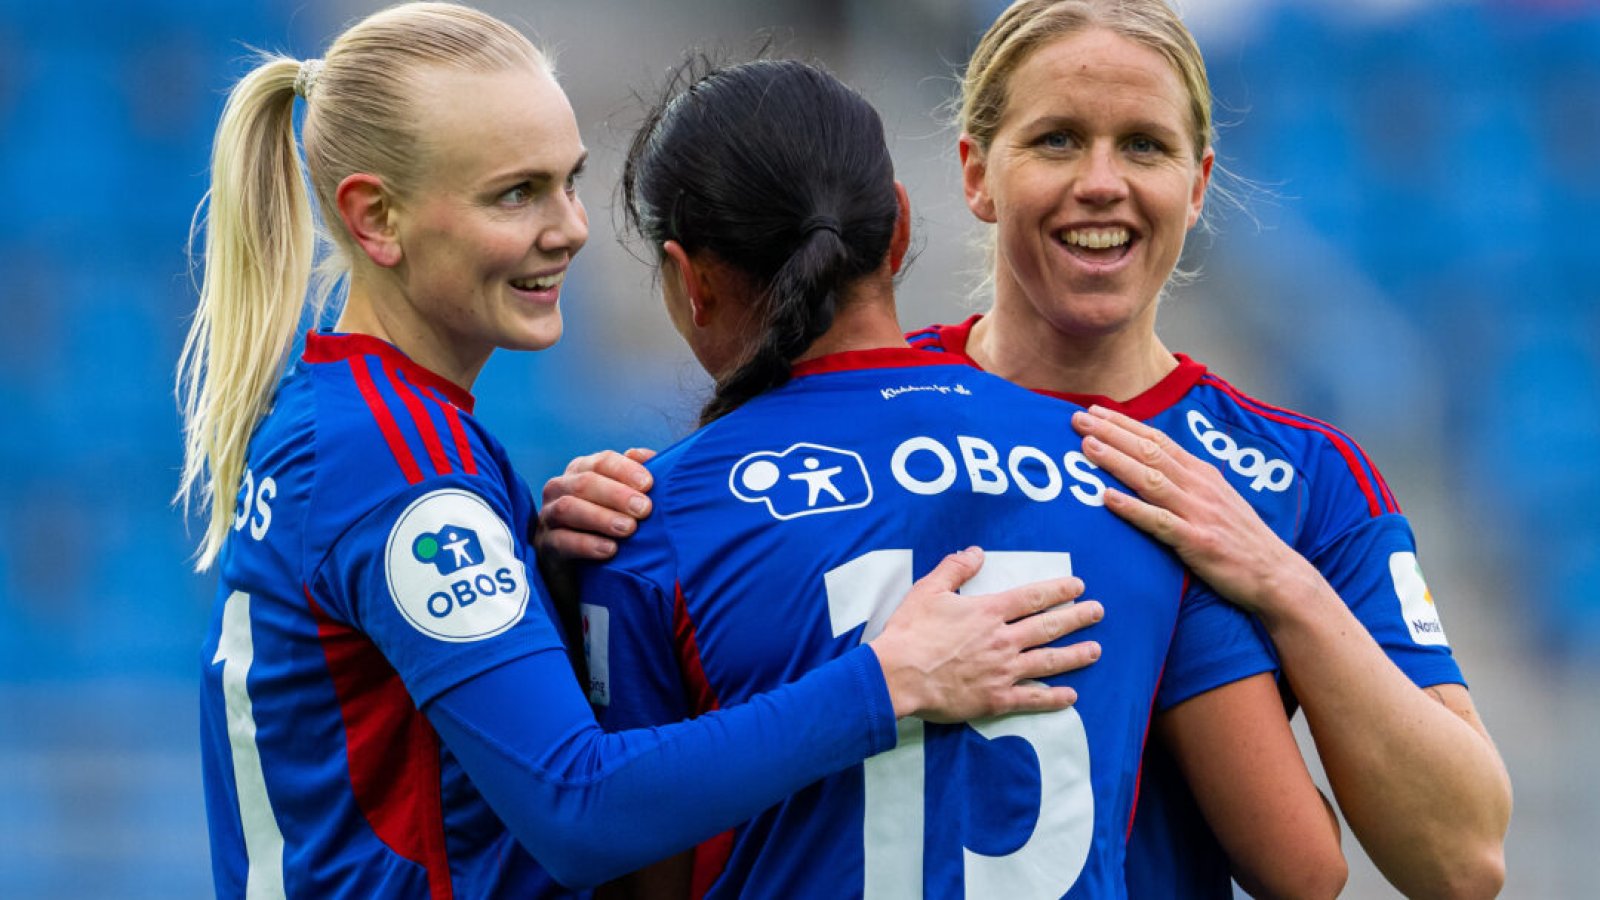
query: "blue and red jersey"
782, 536
379, 634
1318, 491
377, 559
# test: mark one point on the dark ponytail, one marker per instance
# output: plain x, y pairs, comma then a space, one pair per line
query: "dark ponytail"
781, 171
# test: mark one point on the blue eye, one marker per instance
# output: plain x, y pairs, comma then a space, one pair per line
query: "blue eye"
1144, 145
516, 196
1056, 140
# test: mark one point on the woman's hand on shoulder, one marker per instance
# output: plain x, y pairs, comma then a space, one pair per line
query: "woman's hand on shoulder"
596, 501
1186, 503
949, 658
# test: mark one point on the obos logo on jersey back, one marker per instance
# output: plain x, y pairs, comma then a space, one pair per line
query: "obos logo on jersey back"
802, 480
452, 567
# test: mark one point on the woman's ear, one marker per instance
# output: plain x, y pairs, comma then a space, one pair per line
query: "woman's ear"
900, 241
368, 215
693, 282
975, 180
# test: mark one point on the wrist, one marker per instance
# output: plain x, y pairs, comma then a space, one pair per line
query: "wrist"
901, 684
1291, 593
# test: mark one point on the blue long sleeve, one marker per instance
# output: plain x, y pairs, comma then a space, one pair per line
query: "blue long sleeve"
591, 806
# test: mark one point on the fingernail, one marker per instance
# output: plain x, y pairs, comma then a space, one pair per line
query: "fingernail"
1094, 652
1083, 418
638, 506
605, 549
1100, 411
621, 525
642, 482
1093, 443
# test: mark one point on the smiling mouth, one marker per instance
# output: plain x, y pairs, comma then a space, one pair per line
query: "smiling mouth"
1099, 245
541, 283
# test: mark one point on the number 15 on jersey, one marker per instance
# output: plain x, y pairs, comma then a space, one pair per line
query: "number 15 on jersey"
865, 591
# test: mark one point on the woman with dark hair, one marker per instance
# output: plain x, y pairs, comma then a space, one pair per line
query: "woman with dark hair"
387, 707
836, 462
1087, 143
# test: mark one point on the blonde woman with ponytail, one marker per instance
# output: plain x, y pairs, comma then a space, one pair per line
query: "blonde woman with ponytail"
387, 707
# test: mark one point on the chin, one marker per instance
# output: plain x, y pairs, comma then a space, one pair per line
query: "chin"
542, 337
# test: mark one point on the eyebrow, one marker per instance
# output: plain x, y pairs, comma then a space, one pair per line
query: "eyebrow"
1057, 120
537, 176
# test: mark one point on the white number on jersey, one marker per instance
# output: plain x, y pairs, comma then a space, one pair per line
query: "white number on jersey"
263, 840
866, 590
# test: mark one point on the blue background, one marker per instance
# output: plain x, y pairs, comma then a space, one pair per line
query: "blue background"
1417, 258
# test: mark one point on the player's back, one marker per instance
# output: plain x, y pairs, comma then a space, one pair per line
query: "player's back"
781, 536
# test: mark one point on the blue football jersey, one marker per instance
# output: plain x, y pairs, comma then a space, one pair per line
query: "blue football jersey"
1320, 493
782, 536
378, 558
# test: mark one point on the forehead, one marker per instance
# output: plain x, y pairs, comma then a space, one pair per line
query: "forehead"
1100, 70
474, 125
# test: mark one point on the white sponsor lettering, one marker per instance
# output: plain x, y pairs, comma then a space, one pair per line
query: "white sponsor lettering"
889, 393
902, 457
1266, 474
1416, 601
255, 504
1033, 472
452, 567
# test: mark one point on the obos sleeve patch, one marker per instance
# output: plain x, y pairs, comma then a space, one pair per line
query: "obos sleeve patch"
452, 568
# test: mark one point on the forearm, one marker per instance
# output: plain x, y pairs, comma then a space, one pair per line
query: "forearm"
1235, 748
591, 806
1420, 783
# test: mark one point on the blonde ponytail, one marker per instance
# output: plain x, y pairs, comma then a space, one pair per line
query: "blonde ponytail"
260, 238
259, 243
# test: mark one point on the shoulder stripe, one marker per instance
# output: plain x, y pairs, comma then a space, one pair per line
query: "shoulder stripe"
1379, 499
926, 339
391, 752
711, 856
452, 417
421, 418
385, 419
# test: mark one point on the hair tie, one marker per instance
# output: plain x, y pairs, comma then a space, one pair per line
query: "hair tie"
305, 81
815, 223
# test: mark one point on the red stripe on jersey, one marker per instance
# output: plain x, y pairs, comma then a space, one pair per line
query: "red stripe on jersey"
391, 750
880, 358
1148, 404
322, 347
386, 423
424, 421
710, 856
1353, 455
452, 416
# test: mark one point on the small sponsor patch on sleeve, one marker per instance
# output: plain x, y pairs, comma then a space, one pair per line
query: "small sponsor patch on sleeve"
1416, 601
597, 649
453, 569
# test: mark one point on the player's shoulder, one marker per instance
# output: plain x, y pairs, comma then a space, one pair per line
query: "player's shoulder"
1236, 426
942, 338
381, 418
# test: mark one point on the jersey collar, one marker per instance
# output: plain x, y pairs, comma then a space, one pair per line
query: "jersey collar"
324, 347
877, 358
1153, 401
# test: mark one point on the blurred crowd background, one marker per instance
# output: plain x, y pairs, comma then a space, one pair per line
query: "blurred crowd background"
1415, 257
